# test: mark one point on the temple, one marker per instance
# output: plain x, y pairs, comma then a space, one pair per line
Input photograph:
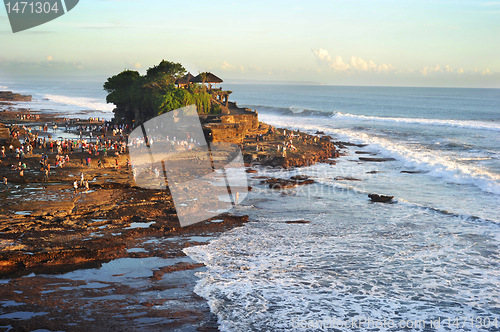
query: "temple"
233, 123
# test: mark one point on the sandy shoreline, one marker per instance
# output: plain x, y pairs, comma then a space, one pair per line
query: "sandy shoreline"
52, 238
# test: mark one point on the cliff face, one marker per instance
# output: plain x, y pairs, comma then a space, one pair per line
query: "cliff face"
10, 96
231, 126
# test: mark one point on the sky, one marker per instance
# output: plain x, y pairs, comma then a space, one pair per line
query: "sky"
388, 43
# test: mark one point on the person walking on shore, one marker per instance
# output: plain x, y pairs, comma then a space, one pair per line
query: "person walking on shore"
86, 186
21, 174
46, 178
82, 179
75, 187
4, 181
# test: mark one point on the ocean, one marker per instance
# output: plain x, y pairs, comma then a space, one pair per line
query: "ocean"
429, 261
72, 96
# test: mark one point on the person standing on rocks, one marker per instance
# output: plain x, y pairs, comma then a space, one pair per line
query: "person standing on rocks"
82, 179
86, 186
21, 174
46, 178
4, 180
75, 187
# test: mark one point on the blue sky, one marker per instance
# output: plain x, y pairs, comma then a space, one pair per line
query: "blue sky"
409, 43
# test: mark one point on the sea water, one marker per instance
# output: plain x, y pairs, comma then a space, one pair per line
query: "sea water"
430, 261
71, 97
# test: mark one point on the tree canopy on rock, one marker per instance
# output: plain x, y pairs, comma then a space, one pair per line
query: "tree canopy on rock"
141, 97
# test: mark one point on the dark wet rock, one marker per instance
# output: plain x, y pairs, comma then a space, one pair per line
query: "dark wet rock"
364, 152
320, 133
285, 183
349, 144
376, 160
299, 177
330, 162
373, 172
251, 170
182, 266
342, 178
298, 222
411, 172
380, 198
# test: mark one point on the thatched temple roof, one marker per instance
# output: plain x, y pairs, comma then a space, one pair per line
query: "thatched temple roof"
211, 78
185, 80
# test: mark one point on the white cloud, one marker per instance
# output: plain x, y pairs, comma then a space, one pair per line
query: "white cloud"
339, 64
136, 65
448, 69
486, 72
322, 55
49, 58
226, 66
360, 64
428, 70
385, 68
355, 63
460, 71
256, 68
324, 58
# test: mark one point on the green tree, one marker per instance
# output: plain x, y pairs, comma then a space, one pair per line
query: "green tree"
139, 98
119, 87
170, 69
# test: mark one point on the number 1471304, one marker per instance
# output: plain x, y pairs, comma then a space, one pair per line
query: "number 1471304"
469, 322
31, 7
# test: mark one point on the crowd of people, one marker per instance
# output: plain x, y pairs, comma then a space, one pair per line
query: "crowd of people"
102, 144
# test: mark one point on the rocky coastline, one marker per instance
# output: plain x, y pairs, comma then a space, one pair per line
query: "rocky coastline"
45, 228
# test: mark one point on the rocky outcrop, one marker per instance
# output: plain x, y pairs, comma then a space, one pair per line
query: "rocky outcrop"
285, 183
232, 125
380, 198
10, 96
376, 160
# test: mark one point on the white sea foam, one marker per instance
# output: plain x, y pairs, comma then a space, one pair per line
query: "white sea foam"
469, 124
434, 163
81, 103
267, 275
339, 116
